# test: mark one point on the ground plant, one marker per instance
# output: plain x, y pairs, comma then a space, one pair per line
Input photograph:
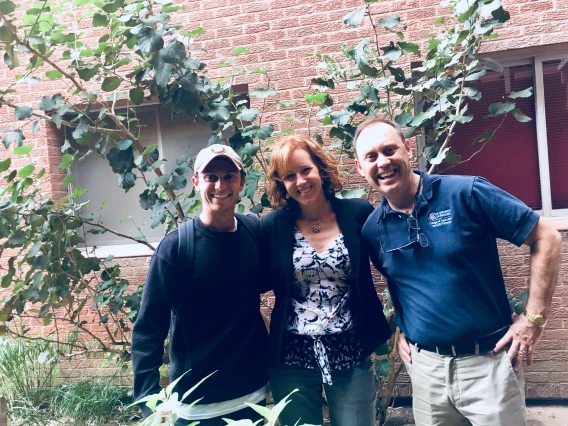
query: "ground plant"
27, 374
91, 402
166, 407
48, 272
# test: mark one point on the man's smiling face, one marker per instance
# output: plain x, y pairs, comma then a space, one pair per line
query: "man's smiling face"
219, 184
384, 159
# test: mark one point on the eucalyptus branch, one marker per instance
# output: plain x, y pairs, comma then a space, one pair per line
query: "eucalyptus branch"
90, 351
43, 339
107, 229
37, 17
119, 234
44, 58
309, 119
387, 90
121, 128
140, 148
261, 162
64, 122
480, 149
143, 176
458, 108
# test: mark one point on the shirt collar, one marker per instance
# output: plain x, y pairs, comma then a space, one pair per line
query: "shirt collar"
429, 185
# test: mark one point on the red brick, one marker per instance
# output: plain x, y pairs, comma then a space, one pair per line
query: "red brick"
554, 38
299, 11
257, 6
536, 6
284, 23
257, 28
228, 32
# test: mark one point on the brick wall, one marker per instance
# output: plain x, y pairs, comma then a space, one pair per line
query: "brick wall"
279, 34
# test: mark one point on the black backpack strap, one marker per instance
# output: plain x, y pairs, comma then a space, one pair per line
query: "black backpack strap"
252, 225
186, 241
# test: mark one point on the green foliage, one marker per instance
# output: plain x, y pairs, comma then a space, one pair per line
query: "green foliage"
517, 304
444, 83
141, 55
27, 374
166, 407
89, 402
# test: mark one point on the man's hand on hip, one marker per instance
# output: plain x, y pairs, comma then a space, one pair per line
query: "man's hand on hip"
523, 336
404, 348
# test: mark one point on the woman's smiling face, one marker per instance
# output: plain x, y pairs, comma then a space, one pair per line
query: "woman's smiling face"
302, 179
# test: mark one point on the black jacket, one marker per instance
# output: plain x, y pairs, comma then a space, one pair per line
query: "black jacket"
209, 300
277, 242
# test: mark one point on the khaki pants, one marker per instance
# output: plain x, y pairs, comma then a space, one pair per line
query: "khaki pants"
478, 390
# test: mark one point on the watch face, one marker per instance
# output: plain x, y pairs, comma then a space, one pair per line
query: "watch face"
537, 320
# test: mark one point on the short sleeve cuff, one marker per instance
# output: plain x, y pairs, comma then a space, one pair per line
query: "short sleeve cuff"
525, 229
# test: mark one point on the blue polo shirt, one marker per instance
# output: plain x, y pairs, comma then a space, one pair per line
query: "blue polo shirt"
451, 291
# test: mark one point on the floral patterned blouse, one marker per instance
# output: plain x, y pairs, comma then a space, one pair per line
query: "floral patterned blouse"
319, 324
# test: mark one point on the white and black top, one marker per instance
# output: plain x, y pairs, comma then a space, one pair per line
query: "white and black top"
319, 314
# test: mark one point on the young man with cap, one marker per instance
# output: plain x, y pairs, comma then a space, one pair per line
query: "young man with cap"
206, 295
434, 239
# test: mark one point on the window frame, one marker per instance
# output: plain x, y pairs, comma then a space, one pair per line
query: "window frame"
128, 249
559, 217
136, 249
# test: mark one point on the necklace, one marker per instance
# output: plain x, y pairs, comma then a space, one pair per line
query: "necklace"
316, 229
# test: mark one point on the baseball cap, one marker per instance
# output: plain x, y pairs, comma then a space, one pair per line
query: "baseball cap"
213, 151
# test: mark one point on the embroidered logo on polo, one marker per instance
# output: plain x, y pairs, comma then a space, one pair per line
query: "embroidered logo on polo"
442, 217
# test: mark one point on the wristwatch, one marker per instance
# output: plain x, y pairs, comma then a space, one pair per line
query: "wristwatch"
537, 320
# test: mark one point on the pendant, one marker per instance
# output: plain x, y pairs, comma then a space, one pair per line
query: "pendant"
316, 228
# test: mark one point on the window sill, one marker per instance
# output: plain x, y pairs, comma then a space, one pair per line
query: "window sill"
559, 223
122, 250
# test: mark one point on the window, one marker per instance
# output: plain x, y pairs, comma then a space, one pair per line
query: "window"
527, 159
121, 211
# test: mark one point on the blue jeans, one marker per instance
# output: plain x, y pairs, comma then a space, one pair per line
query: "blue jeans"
351, 398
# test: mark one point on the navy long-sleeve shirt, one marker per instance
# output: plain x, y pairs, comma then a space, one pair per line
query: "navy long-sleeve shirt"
212, 313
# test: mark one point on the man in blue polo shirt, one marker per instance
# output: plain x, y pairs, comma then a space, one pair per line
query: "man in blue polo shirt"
434, 239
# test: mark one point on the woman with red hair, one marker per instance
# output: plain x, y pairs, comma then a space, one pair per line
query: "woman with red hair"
327, 318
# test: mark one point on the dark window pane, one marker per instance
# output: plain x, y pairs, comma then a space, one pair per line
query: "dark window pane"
510, 160
556, 104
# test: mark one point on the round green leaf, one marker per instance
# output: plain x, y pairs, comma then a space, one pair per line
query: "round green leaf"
5, 164
68, 179
193, 33
499, 108
66, 161
137, 95
100, 20
111, 83
7, 7
53, 74
354, 17
240, 51
247, 114
318, 97
262, 93
14, 136
23, 112
382, 350
124, 144
26, 171
23, 150
382, 367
